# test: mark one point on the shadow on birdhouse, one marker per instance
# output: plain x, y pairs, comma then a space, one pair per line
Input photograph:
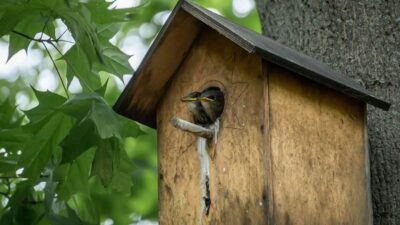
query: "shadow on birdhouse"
292, 145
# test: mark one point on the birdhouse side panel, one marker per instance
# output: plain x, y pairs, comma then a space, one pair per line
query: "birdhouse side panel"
237, 160
318, 152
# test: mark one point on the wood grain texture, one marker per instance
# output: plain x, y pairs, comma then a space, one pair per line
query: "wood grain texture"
139, 100
238, 178
318, 153
279, 54
362, 40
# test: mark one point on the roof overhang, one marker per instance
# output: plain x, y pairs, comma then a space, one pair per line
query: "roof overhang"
139, 99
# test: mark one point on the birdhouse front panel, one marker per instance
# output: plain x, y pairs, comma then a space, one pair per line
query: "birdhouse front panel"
238, 160
318, 152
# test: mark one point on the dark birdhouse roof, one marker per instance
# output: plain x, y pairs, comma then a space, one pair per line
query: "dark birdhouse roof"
139, 99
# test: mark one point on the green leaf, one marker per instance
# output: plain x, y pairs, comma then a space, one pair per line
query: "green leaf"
6, 218
79, 105
7, 166
90, 106
79, 140
107, 31
115, 61
105, 120
51, 30
103, 160
16, 44
84, 207
101, 14
102, 90
122, 178
93, 107
48, 103
52, 207
12, 16
97, 121
78, 22
24, 214
78, 65
31, 25
73, 178
130, 128
48, 133
14, 139
9, 115
22, 191
71, 218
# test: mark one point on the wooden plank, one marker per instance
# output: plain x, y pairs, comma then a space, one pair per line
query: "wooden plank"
237, 182
318, 153
144, 90
268, 196
368, 169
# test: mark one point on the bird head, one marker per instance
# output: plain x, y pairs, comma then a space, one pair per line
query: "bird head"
211, 94
206, 105
191, 97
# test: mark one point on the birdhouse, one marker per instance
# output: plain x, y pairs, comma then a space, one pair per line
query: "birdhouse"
292, 143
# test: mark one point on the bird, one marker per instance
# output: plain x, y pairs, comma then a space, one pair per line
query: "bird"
206, 106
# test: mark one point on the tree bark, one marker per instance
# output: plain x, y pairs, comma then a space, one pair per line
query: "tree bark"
361, 39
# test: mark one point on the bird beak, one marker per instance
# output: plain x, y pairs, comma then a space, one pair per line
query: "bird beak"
205, 99
188, 99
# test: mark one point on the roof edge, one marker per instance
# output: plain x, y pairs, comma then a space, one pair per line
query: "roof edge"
190, 8
253, 43
117, 105
312, 70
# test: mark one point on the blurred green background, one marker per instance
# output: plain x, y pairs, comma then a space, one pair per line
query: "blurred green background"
35, 69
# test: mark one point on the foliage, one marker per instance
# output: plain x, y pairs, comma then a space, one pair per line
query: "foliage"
68, 143
70, 159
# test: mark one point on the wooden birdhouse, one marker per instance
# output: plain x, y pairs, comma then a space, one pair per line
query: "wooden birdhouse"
292, 145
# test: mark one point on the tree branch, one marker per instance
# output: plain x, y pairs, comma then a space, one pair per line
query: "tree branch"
192, 128
58, 72
44, 27
39, 39
65, 31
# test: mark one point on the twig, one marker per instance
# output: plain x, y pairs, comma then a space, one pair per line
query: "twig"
58, 72
51, 42
5, 194
71, 67
55, 47
39, 39
192, 128
65, 31
44, 27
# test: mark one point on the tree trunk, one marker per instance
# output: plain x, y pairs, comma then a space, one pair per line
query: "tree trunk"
361, 39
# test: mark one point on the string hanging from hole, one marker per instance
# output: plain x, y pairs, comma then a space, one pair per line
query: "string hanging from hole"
206, 107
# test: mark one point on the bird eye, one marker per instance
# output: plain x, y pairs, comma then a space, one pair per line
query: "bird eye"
212, 97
